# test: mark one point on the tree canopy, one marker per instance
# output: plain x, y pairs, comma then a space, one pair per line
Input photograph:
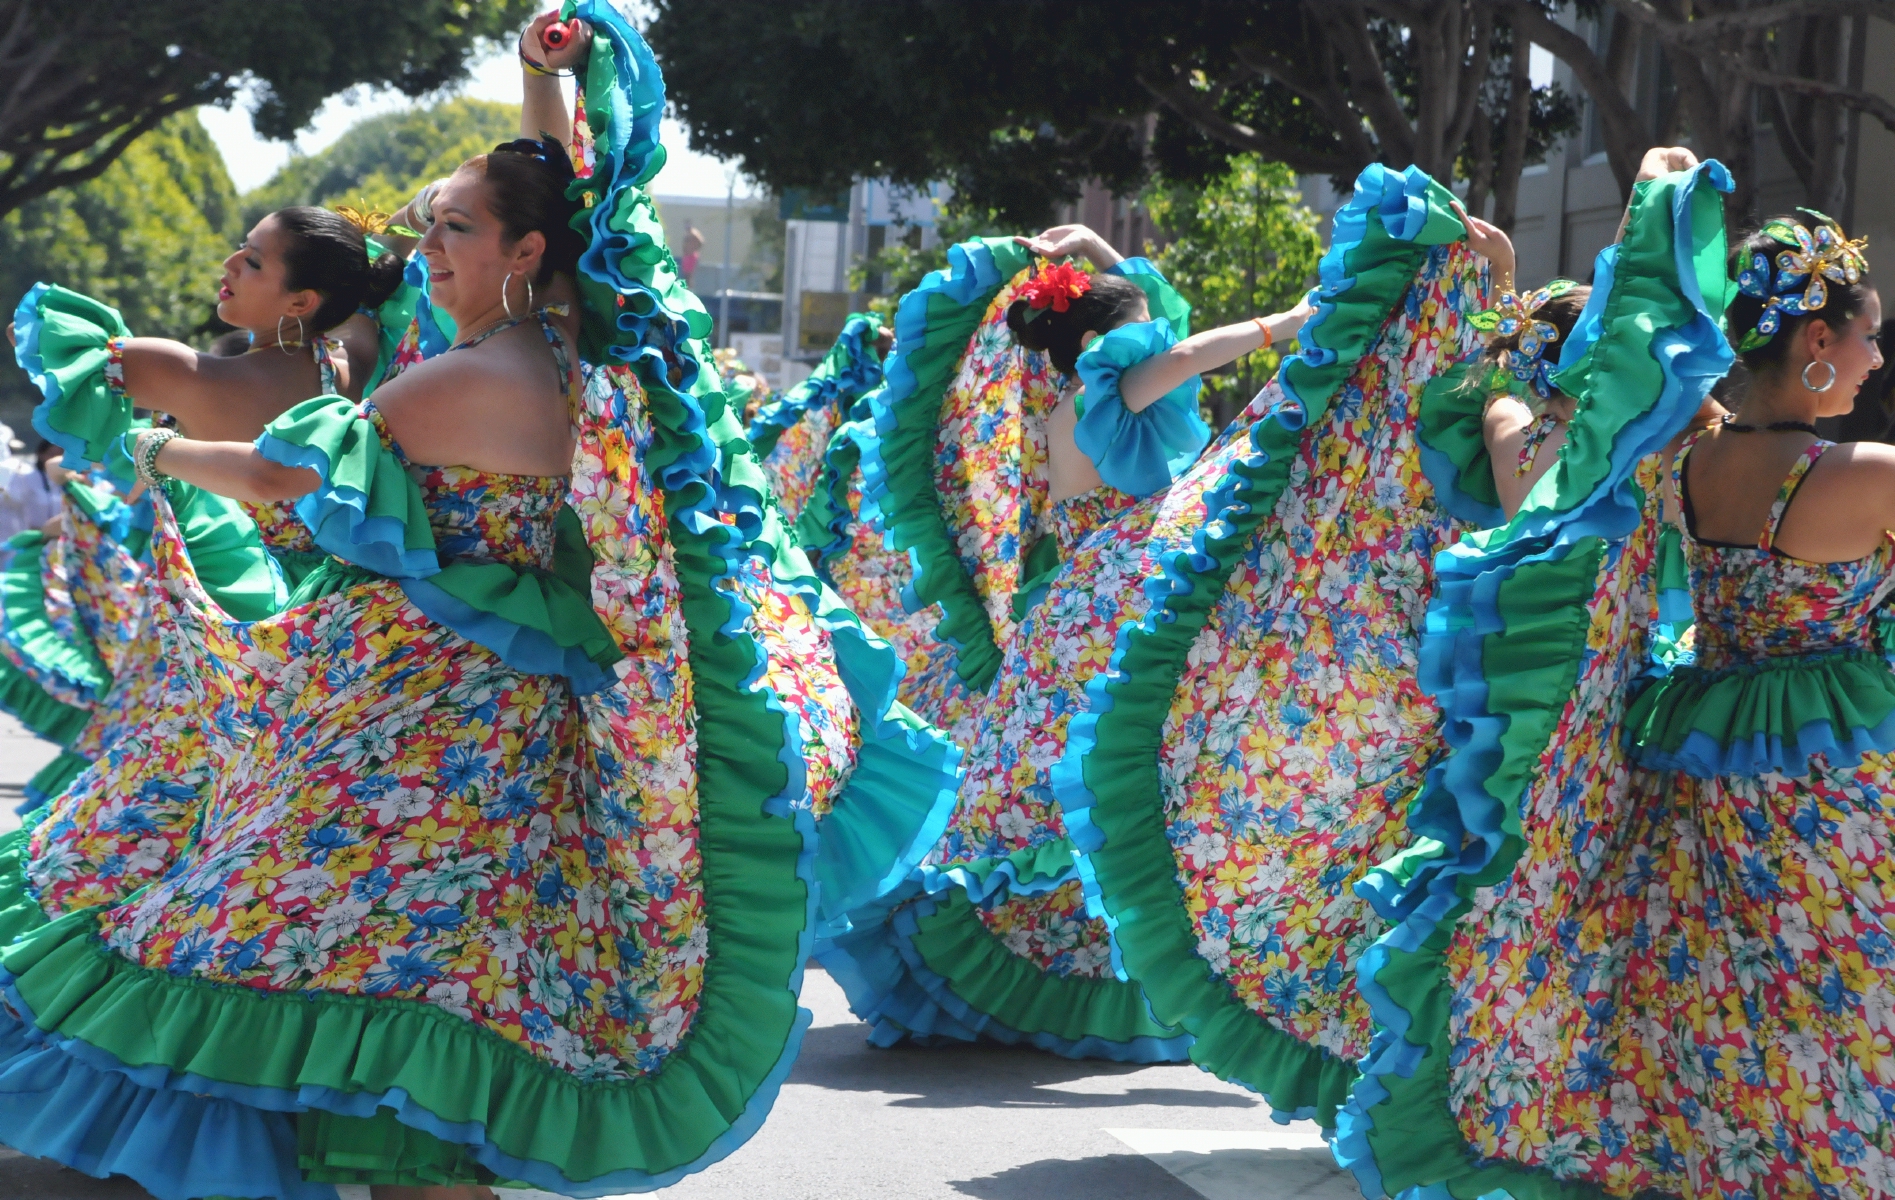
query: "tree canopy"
384, 160
1017, 104
148, 236
83, 86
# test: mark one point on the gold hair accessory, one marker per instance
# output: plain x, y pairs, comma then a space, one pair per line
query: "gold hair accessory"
372, 223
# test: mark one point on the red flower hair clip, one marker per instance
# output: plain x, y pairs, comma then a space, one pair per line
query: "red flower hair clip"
1056, 288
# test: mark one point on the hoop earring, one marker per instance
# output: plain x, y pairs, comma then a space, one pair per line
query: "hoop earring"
301, 337
506, 304
1827, 383
529, 293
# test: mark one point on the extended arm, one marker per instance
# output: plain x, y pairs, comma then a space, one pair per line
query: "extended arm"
234, 469
1142, 385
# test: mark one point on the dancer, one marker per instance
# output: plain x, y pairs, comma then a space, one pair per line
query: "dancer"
1686, 864
72, 610
1000, 902
517, 768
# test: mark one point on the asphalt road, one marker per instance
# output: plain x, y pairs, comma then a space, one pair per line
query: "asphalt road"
954, 1123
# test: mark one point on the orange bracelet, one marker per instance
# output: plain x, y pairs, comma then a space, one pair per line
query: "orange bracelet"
1269, 339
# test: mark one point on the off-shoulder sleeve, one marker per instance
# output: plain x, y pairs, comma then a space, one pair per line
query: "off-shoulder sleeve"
1136, 452
67, 344
368, 511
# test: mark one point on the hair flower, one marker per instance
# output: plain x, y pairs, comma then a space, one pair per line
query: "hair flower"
1798, 285
1056, 288
1513, 316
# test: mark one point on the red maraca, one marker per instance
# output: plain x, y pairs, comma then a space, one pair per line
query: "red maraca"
556, 35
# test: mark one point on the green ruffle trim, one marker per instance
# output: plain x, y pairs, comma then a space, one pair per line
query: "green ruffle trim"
932, 326
29, 704
1017, 994
1509, 625
1767, 716
227, 552
1127, 858
20, 913
81, 412
23, 605
850, 368
1452, 409
823, 527
55, 777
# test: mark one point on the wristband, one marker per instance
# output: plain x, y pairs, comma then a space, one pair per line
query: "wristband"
1269, 339
145, 456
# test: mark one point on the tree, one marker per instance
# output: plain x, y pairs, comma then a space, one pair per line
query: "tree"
1018, 104
1244, 245
384, 160
83, 85
1798, 61
147, 237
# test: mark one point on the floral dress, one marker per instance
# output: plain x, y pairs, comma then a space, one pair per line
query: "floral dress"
508, 866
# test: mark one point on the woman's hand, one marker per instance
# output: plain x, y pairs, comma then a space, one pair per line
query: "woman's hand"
1491, 242
1663, 160
1063, 240
569, 57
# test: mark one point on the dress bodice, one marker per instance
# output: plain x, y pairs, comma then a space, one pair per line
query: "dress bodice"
1755, 602
486, 516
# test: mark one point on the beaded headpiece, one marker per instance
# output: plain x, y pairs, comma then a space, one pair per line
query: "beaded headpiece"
1513, 314
1054, 288
1797, 286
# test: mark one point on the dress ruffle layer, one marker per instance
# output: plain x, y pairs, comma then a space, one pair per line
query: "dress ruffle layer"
1507, 639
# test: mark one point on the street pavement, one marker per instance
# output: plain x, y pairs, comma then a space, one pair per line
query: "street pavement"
981, 1122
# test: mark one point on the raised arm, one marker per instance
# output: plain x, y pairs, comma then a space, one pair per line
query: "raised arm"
1144, 384
542, 103
1063, 240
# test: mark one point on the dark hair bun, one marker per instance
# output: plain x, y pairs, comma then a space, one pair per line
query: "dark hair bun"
328, 254
1109, 303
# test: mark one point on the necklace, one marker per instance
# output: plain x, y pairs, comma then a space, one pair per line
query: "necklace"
1731, 423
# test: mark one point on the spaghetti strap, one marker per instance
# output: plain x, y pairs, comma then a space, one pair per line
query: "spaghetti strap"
1792, 481
326, 364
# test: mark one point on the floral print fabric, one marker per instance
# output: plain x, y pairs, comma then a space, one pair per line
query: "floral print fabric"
1685, 985
795, 463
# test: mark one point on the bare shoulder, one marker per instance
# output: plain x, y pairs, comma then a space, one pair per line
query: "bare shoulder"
1860, 463
1505, 415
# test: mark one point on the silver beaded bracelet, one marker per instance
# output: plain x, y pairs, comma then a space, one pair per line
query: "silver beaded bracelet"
145, 456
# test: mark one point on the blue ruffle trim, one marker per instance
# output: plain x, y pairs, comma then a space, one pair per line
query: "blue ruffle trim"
520, 647
1454, 808
1001, 882
338, 519
1702, 757
889, 986
186, 1136
861, 373
1136, 452
26, 330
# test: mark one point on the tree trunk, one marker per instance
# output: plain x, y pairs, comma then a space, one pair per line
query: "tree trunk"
1513, 135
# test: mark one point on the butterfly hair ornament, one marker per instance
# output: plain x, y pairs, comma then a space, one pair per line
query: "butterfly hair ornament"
1799, 284
371, 223
1054, 289
1526, 363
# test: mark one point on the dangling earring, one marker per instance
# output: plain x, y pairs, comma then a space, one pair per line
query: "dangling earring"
1827, 383
505, 303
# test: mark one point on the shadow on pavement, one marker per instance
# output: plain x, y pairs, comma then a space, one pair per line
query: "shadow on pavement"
963, 1075
1105, 1177
23, 1178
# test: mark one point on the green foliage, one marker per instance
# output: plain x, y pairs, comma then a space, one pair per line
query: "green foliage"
85, 80
147, 237
385, 160
1245, 246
